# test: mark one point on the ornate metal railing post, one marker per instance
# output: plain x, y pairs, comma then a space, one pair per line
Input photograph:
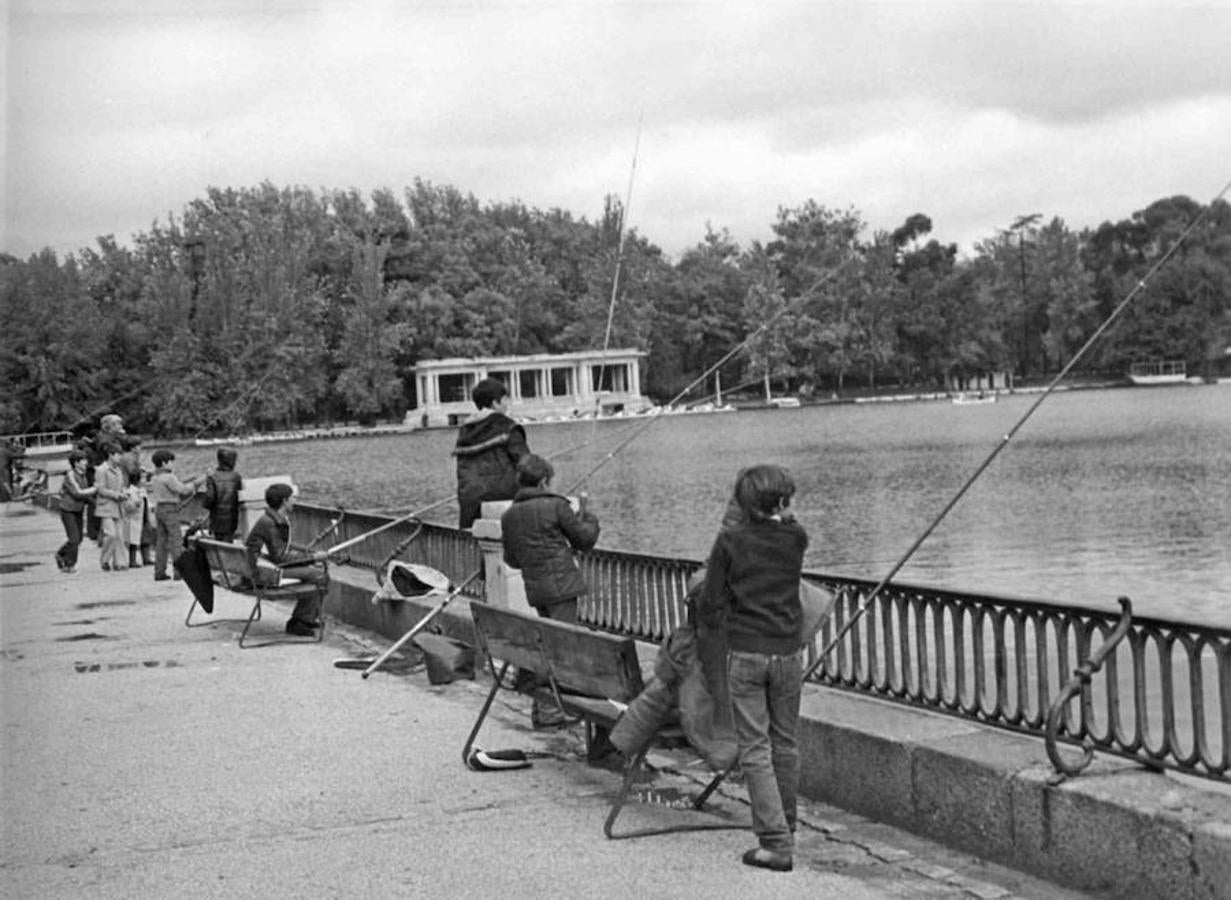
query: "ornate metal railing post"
1078, 686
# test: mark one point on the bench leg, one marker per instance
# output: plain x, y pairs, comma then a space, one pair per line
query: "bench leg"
630, 773
254, 616
478, 723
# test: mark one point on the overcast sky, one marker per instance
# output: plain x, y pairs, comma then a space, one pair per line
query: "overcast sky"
121, 112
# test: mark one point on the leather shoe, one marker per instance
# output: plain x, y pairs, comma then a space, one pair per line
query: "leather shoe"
162, 577
768, 859
300, 629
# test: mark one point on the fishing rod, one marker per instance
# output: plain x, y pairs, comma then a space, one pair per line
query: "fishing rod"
615, 281
557, 455
764, 326
350, 542
1004, 441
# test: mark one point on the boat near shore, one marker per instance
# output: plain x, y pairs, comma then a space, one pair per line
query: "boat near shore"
1158, 372
973, 398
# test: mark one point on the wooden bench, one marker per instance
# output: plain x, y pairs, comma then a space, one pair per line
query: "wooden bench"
591, 676
232, 570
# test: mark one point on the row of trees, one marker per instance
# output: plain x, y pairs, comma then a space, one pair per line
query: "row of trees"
267, 307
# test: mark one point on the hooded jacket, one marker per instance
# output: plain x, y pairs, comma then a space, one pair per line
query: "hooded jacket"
540, 532
487, 450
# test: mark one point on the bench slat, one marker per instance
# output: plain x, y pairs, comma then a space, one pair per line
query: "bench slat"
583, 661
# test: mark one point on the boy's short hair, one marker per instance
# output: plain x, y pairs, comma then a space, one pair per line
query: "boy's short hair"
761, 490
277, 494
487, 392
533, 469
161, 458
76, 456
110, 447
226, 458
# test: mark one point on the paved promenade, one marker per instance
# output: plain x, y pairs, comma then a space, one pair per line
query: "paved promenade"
144, 759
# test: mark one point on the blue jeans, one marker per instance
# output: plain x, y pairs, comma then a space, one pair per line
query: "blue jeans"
167, 536
765, 691
67, 554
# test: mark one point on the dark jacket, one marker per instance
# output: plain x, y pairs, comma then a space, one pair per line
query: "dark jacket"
487, 450
752, 585
540, 532
222, 489
72, 498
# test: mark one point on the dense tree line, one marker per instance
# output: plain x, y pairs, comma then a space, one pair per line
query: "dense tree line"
267, 307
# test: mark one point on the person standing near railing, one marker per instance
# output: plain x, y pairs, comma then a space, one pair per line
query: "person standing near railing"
752, 595
541, 533
167, 492
489, 446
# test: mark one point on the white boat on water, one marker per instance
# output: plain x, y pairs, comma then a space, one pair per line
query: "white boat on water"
784, 402
1158, 371
968, 399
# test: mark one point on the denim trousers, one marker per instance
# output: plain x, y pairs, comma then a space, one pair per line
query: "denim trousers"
167, 537
765, 691
67, 554
308, 609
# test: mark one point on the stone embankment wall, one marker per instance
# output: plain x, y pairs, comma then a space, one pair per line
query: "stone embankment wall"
1116, 828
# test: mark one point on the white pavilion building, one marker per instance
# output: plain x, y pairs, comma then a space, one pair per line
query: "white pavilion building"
542, 387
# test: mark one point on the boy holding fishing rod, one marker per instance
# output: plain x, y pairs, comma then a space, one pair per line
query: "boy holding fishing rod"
272, 533
541, 533
752, 596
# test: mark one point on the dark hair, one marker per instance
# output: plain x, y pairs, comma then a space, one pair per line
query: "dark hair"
487, 392
109, 447
76, 456
161, 458
226, 458
532, 470
277, 494
129, 441
760, 490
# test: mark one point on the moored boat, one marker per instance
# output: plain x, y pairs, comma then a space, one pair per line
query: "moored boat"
1158, 371
967, 399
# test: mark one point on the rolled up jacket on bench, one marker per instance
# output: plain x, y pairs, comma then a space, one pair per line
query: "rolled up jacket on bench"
690, 686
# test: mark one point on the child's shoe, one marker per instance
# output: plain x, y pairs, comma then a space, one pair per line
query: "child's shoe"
769, 859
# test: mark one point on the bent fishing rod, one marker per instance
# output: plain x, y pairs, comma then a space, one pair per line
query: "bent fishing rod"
1004, 441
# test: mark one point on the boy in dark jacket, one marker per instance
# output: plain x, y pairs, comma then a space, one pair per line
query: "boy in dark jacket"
752, 594
75, 496
489, 446
222, 489
541, 533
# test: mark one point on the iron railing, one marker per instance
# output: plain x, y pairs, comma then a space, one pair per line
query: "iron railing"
453, 552
1162, 697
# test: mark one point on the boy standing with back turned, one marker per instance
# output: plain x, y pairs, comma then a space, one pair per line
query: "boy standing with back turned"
752, 594
489, 446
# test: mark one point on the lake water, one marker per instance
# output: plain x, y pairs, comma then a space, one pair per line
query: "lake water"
1102, 493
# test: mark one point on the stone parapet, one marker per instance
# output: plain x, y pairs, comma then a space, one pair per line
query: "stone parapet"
1116, 829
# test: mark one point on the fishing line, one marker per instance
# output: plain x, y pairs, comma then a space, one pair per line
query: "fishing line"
1004, 441
768, 323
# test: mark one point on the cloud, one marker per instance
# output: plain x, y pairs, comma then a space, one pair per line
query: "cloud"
970, 112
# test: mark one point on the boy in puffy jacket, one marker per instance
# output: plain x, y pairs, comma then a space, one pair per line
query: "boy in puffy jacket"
222, 488
541, 533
